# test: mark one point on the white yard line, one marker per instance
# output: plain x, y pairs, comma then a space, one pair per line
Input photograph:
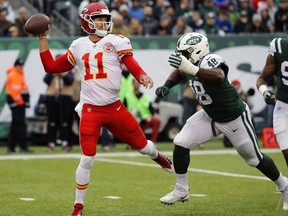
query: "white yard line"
103, 157
121, 154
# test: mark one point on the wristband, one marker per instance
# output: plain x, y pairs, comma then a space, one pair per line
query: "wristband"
187, 67
262, 89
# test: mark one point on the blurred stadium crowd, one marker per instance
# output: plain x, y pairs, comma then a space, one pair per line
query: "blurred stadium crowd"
161, 17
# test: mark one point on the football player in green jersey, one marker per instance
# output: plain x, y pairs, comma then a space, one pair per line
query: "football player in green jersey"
277, 64
223, 112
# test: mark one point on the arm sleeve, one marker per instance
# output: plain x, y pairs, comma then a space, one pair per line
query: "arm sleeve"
61, 64
133, 66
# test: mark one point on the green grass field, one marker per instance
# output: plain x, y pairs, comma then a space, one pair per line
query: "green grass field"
221, 184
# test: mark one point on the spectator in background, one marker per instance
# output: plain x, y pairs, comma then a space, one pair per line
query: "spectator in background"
183, 9
242, 24
59, 109
244, 5
181, 27
149, 22
21, 20
257, 26
4, 23
10, 14
136, 10
223, 22
140, 105
232, 13
208, 7
119, 26
210, 26
13, 31
18, 100
195, 20
271, 10
281, 16
135, 27
164, 26
159, 9
169, 10
123, 10
264, 17
126, 84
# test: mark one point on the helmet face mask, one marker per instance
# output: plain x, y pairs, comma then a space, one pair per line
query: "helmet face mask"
194, 46
92, 11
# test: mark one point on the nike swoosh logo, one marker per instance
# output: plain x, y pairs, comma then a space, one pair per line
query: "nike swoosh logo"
235, 130
118, 108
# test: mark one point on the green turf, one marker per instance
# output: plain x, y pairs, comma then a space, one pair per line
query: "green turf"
51, 183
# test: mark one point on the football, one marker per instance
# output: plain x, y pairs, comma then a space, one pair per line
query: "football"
37, 24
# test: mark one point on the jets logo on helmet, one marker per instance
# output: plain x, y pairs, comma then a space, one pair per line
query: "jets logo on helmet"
194, 46
193, 40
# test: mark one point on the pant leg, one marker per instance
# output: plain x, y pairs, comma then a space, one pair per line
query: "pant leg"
66, 116
19, 127
52, 110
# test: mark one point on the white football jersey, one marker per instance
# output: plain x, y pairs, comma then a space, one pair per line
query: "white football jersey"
100, 67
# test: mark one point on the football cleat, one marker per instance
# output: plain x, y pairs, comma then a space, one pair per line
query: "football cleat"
77, 209
179, 194
164, 162
285, 198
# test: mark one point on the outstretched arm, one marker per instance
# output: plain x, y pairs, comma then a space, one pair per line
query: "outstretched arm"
174, 78
61, 64
135, 69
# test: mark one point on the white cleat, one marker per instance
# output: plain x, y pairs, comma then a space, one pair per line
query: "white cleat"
179, 194
285, 198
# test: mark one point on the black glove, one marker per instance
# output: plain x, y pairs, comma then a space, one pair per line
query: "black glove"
162, 91
269, 97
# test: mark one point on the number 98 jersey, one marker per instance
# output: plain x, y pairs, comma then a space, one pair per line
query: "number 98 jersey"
219, 100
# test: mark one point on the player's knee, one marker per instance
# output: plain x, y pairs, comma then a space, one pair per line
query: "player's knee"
86, 162
149, 149
253, 161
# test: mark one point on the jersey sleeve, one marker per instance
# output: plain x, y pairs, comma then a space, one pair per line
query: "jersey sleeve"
70, 52
274, 45
124, 46
211, 61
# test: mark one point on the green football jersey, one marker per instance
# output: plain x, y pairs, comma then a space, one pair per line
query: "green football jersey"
220, 101
279, 50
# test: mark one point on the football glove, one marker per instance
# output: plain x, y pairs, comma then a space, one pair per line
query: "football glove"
183, 64
269, 97
162, 91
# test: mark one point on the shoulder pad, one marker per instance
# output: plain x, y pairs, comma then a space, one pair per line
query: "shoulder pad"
211, 61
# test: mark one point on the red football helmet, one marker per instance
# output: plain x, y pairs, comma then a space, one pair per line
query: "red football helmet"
88, 15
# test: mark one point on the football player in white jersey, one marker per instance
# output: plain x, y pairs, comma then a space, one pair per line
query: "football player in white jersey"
223, 112
101, 57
